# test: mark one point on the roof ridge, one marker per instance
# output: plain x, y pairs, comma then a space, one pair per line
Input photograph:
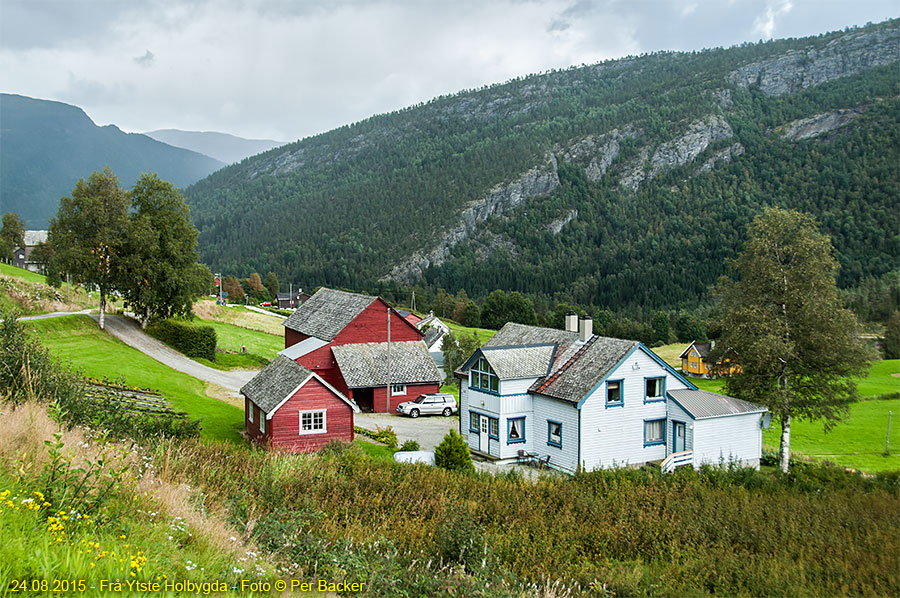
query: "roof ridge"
552, 377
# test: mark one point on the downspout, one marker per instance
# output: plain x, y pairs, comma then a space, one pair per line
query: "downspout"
387, 399
578, 452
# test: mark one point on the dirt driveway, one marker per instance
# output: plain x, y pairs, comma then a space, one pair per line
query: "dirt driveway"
428, 431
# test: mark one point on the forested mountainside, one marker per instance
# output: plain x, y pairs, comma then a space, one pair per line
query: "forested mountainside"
627, 183
45, 147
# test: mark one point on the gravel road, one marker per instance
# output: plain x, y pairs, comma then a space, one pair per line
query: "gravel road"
130, 334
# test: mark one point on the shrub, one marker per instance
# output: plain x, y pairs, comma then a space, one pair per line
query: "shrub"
384, 435
459, 539
409, 445
453, 453
191, 339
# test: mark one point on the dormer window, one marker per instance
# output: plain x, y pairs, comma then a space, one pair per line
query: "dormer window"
482, 377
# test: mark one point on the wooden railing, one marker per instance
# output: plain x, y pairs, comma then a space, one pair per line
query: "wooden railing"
674, 460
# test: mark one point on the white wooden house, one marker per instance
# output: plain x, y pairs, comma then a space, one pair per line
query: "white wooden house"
576, 399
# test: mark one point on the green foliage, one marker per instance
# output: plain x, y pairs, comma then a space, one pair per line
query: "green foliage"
501, 307
784, 321
12, 235
890, 343
191, 339
272, 284
233, 287
457, 351
409, 445
384, 435
689, 327
453, 453
460, 539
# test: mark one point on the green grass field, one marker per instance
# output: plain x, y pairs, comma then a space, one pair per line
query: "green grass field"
483, 334
231, 338
27, 275
78, 340
858, 441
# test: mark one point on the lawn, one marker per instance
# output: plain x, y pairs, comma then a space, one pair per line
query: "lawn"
27, 275
483, 334
671, 353
231, 338
78, 340
859, 440
240, 317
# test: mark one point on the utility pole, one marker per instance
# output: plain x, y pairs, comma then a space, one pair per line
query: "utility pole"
68, 301
389, 389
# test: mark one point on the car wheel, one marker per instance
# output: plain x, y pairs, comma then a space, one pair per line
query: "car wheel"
448, 412
414, 413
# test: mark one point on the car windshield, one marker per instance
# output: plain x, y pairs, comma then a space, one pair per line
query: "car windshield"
420, 399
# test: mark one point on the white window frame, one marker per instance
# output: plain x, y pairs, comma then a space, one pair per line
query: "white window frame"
312, 413
252, 408
262, 422
398, 390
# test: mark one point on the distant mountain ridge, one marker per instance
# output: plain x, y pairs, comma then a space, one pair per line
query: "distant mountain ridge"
221, 146
46, 146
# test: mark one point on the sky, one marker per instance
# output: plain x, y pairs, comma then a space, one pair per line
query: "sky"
287, 69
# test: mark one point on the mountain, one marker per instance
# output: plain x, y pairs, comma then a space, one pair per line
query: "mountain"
221, 146
626, 184
46, 146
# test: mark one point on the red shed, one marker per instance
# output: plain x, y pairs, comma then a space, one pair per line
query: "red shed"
290, 408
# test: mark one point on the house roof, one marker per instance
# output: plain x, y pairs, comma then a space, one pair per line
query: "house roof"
307, 345
327, 312
287, 295
432, 335
509, 363
365, 364
702, 349
275, 382
592, 362
702, 404
33, 237
521, 334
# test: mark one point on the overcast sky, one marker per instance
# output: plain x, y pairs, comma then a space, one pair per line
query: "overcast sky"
288, 69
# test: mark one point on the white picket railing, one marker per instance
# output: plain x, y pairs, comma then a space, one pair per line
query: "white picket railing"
674, 460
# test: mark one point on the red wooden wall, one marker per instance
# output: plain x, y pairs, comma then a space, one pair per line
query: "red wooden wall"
412, 391
285, 423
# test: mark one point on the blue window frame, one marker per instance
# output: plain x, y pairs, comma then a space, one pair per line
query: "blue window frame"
515, 430
473, 421
554, 433
483, 378
655, 389
615, 393
654, 432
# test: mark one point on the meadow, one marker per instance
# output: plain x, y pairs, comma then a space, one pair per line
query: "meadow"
78, 341
29, 294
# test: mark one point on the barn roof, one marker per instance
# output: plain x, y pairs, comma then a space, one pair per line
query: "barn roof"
33, 237
592, 362
269, 387
327, 312
365, 364
530, 361
702, 404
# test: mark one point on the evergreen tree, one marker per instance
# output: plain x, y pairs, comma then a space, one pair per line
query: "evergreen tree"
12, 235
890, 343
784, 321
453, 453
272, 284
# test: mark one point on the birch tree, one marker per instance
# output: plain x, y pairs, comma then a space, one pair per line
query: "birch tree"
784, 321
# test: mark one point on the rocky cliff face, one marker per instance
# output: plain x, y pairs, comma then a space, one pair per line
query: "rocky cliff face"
819, 124
599, 151
842, 57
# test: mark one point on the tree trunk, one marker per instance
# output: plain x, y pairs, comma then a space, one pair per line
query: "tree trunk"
146, 319
784, 457
102, 305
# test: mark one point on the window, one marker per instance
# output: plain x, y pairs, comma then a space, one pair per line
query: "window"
515, 430
250, 409
694, 364
654, 432
312, 422
398, 389
495, 429
262, 422
554, 433
473, 421
483, 377
614, 393
655, 389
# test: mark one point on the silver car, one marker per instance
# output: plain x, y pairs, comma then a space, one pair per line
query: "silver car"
430, 404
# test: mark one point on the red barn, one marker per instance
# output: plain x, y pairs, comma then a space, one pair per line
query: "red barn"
290, 408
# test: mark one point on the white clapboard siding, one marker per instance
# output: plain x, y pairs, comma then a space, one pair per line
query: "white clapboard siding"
733, 437
614, 436
676, 413
550, 409
507, 450
518, 386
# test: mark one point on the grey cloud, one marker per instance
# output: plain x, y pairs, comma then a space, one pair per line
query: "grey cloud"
146, 60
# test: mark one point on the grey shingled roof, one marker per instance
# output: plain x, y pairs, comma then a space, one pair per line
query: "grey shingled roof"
520, 362
432, 334
702, 349
575, 378
520, 334
702, 404
327, 312
365, 364
269, 387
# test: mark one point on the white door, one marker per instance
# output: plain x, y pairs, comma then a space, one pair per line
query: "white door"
483, 435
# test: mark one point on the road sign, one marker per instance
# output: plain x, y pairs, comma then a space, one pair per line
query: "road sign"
218, 281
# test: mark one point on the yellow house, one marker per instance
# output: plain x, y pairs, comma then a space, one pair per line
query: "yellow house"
693, 360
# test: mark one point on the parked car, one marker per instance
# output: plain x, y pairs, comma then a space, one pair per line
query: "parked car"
429, 404
266, 304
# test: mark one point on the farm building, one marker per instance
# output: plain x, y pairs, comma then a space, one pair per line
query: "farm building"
574, 399
694, 360
435, 331
22, 255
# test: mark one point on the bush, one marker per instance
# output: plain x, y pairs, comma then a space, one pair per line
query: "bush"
191, 339
453, 453
459, 539
409, 445
383, 435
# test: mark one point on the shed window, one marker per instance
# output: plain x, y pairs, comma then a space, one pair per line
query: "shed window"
398, 389
483, 377
262, 422
312, 422
614, 393
515, 431
655, 388
250, 410
654, 432
554, 433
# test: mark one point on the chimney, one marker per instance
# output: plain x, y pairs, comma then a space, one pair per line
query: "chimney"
586, 328
571, 322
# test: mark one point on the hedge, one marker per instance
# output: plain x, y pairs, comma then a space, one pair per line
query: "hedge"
191, 339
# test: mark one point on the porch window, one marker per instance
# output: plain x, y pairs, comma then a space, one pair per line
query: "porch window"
614, 396
473, 421
312, 422
398, 389
554, 433
483, 377
654, 432
494, 429
515, 430
655, 389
